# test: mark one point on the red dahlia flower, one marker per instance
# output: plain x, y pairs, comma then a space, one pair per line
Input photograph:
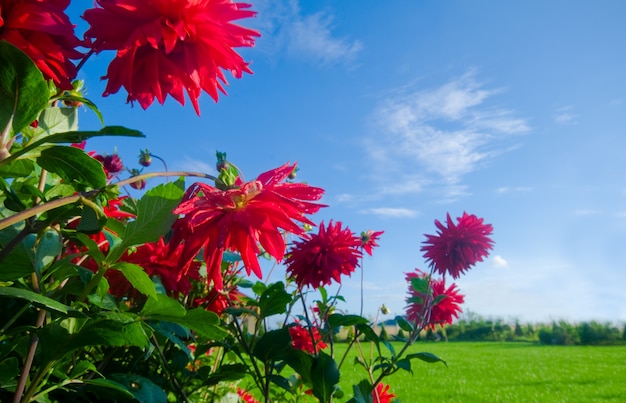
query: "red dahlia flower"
157, 260
381, 394
42, 30
325, 256
246, 396
368, 240
456, 248
240, 218
444, 303
168, 46
301, 339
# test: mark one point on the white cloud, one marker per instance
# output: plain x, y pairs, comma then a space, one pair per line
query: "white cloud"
564, 116
499, 261
587, 212
193, 165
447, 130
391, 212
517, 189
284, 27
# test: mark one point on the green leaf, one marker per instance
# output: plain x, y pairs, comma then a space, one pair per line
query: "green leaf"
17, 169
137, 277
154, 217
71, 137
405, 364
73, 165
226, 373
336, 320
18, 263
404, 324
302, 363
162, 305
143, 389
109, 384
274, 300
362, 392
58, 120
36, 299
325, 376
23, 90
274, 345
110, 333
91, 221
9, 369
82, 367
202, 321
48, 247
426, 357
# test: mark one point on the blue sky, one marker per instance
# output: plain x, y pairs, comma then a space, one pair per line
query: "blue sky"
404, 111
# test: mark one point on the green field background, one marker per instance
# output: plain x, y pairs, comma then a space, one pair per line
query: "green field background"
504, 372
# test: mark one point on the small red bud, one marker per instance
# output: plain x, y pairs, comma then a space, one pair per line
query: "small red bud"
145, 158
139, 185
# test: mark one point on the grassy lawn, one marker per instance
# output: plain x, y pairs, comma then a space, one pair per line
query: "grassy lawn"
506, 372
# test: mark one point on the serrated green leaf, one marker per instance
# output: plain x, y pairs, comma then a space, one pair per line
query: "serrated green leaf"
58, 120
154, 217
137, 277
162, 305
23, 89
202, 321
73, 165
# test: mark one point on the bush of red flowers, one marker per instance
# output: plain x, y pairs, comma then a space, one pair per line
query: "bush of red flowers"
160, 298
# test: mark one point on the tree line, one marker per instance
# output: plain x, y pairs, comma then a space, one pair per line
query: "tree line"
476, 328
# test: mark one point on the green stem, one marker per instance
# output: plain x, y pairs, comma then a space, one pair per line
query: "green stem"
28, 363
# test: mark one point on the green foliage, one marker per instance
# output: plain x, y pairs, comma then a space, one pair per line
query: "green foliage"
23, 90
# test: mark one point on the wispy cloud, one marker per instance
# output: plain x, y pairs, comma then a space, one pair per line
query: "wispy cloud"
448, 130
564, 115
310, 37
516, 189
391, 212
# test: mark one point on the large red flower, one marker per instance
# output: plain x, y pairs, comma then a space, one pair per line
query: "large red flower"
42, 30
437, 307
301, 339
325, 256
157, 259
240, 218
456, 248
167, 46
381, 394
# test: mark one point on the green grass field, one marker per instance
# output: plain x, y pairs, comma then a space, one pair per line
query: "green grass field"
506, 372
